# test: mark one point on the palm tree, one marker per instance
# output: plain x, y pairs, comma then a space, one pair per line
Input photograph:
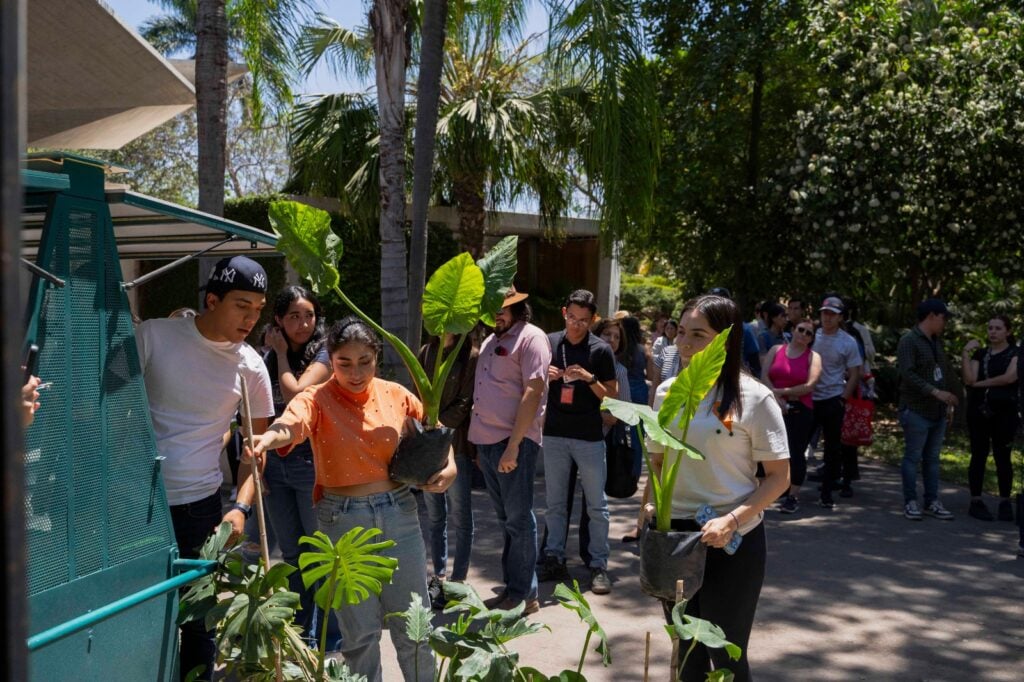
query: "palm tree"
257, 32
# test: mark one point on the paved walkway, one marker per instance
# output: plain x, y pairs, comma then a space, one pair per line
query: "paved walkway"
855, 593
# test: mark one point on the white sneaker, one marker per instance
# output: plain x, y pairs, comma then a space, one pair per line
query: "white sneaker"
912, 511
938, 511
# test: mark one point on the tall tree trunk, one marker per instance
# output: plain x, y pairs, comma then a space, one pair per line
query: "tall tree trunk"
468, 198
428, 93
211, 101
388, 20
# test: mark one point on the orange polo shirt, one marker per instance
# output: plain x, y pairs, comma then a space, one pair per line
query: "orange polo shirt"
353, 435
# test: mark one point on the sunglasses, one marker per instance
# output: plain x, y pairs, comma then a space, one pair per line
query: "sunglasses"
500, 351
805, 331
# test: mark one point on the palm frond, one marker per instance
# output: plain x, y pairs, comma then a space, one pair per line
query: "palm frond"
343, 50
169, 33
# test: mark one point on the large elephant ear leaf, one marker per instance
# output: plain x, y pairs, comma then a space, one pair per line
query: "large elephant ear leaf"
499, 268
693, 383
451, 299
306, 239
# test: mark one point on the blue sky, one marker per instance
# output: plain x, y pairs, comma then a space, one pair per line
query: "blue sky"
349, 13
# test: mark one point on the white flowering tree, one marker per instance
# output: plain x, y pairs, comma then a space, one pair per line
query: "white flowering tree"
908, 175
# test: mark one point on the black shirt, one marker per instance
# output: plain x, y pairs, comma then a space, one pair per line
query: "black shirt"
580, 419
997, 364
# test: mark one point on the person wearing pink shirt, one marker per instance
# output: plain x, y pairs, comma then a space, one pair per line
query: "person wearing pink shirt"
509, 398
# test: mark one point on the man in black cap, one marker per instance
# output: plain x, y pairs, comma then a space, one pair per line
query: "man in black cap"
926, 403
192, 367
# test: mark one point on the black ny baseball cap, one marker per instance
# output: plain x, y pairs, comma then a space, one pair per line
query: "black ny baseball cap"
237, 273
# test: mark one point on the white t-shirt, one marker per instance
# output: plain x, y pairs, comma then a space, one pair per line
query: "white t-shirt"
194, 390
728, 474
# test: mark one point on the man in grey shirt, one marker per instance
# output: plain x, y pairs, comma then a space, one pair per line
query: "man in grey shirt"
840, 375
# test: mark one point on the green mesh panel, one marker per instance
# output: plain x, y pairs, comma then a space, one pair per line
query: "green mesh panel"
94, 498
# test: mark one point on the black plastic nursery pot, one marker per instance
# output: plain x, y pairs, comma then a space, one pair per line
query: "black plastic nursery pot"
421, 454
666, 557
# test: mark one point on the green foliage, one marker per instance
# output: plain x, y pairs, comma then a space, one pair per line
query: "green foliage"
907, 163
305, 235
649, 296
351, 568
572, 599
452, 297
499, 268
699, 631
687, 391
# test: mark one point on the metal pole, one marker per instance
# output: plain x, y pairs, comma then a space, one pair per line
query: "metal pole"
13, 625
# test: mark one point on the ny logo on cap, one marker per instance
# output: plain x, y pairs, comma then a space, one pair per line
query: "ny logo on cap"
259, 280
227, 275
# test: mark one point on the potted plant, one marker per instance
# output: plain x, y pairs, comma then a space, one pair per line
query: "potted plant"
458, 295
668, 555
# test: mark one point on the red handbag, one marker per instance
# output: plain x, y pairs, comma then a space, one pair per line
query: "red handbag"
858, 427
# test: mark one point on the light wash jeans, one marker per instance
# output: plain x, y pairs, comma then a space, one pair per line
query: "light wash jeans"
394, 513
559, 454
454, 508
290, 512
512, 496
923, 440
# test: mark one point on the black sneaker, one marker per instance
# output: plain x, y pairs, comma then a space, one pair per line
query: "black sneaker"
826, 502
600, 583
979, 511
790, 505
552, 569
1005, 510
435, 591
846, 490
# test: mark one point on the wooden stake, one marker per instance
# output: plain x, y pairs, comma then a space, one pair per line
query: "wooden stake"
647, 655
675, 639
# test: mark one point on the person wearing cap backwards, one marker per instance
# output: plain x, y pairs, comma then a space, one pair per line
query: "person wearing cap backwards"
841, 367
191, 367
925, 397
509, 399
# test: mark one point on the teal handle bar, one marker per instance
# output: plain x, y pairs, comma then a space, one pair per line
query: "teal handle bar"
199, 568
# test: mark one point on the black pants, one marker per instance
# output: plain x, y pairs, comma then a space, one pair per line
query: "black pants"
193, 523
799, 421
829, 415
995, 431
728, 598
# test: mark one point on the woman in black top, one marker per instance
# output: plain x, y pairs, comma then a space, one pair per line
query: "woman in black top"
991, 377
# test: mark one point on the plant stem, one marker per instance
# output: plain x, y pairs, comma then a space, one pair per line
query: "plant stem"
332, 585
583, 655
689, 651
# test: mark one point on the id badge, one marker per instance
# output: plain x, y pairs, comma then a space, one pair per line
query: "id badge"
937, 374
566, 395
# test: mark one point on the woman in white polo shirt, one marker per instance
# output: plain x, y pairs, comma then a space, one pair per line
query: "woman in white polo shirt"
738, 425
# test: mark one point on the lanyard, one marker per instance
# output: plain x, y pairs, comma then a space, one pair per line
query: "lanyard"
565, 363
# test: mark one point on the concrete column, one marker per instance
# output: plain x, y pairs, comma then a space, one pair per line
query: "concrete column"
609, 282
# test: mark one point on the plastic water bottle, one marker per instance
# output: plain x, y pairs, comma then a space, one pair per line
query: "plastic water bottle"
704, 514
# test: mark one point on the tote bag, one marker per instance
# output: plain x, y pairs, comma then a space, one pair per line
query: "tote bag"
858, 427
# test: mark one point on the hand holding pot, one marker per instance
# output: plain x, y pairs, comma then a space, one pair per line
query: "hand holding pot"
718, 531
442, 480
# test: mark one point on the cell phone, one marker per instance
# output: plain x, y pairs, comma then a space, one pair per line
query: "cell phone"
30, 361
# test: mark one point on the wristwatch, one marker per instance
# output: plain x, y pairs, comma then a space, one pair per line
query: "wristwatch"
593, 380
244, 508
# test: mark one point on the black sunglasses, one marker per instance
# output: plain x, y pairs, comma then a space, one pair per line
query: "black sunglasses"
805, 331
500, 351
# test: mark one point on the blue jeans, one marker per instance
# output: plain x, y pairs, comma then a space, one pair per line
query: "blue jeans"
395, 514
290, 512
512, 496
559, 454
923, 440
193, 524
455, 506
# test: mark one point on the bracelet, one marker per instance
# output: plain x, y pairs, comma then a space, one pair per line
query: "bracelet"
244, 508
733, 515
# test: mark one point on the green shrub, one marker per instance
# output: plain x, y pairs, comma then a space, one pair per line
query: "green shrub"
650, 296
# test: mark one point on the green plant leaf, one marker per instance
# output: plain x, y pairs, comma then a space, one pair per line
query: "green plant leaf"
354, 568
634, 414
720, 675
465, 598
693, 384
573, 599
704, 631
488, 665
306, 239
451, 299
499, 267
417, 619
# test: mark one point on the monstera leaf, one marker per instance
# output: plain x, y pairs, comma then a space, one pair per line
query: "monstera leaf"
305, 237
352, 568
705, 632
499, 268
693, 383
451, 299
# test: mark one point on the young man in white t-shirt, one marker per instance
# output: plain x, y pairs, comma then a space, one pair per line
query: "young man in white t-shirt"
192, 368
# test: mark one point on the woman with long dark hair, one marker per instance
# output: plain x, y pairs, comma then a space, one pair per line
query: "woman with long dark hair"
990, 375
296, 359
354, 422
738, 425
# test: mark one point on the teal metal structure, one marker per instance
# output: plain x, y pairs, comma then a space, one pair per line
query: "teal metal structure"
103, 568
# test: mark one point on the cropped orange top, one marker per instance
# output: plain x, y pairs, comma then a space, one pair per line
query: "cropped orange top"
353, 435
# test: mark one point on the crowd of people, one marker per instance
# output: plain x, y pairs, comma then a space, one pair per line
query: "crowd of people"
327, 427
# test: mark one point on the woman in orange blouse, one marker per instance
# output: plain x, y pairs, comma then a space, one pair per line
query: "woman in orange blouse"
353, 422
